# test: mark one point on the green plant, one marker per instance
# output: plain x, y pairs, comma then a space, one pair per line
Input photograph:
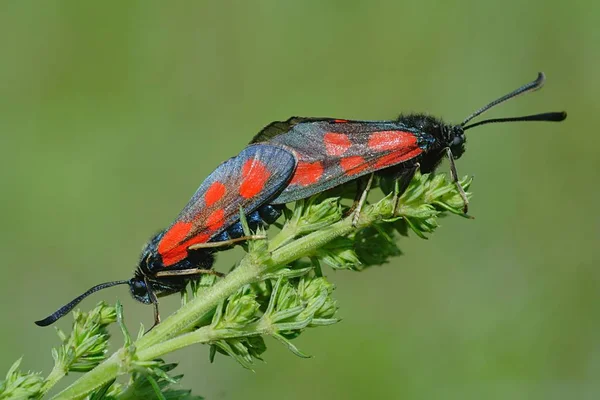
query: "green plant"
277, 289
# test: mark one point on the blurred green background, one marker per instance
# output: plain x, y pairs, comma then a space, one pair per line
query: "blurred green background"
112, 114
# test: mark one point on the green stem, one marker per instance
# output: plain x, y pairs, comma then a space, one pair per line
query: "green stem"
57, 373
94, 379
202, 335
157, 342
186, 316
304, 245
176, 323
287, 233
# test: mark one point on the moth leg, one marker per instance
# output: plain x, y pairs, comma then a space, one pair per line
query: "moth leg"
362, 201
156, 316
454, 177
190, 271
361, 184
402, 183
154, 300
225, 243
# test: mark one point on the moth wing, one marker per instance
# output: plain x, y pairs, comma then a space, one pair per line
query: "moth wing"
252, 178
332, 152
277, 128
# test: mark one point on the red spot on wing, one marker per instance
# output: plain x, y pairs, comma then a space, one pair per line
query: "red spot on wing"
340, 121
171, 248
396, 157
216, 219
307, 173
254, 177
336, 144
215, 192
174, 236
353, 165
392, 140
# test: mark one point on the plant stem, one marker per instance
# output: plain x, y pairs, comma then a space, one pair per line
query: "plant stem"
94, 379
176, 323
57, 373
202, 335
157, 342
246, 272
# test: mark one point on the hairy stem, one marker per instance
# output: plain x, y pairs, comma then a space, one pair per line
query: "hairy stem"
422, 203
176, 323
57, 373
156, 343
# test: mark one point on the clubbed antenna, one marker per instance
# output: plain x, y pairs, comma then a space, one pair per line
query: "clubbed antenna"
530, 87
52, 318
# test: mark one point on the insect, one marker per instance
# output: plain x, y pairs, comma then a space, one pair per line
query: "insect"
208, 222
287, 161
332, 151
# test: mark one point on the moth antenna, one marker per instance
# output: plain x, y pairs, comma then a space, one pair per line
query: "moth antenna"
52, 318
549, 117
529, 87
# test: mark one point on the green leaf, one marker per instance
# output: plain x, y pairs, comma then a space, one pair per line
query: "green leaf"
339, 253
376, 244
19, 385
154, 383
